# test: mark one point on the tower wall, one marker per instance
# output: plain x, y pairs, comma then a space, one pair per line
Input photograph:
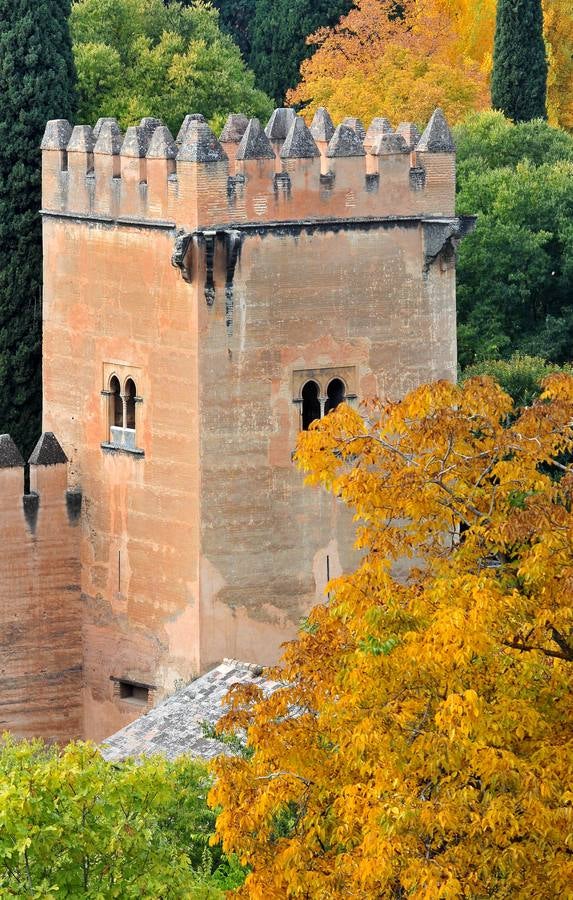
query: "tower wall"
40, 609
114, 303
349, 303
198, 540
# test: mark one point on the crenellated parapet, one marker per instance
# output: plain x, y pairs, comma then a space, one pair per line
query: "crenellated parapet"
284, 173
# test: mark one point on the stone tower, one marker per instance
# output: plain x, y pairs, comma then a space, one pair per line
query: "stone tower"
205, 299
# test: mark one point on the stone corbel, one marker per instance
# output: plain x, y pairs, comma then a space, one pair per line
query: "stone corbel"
443, 236
208, 239
182, 243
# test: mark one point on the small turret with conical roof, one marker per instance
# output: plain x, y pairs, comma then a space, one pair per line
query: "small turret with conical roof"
200, 145
10, 456
299, 142
437, 137
232, 135
345, 142
48, 467
255, 143
190, 117
377, 127
410, 133
435, 154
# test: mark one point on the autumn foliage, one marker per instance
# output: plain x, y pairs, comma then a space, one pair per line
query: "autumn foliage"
421, 744
401, 60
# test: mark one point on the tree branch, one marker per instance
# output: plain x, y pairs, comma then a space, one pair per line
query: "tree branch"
524, 648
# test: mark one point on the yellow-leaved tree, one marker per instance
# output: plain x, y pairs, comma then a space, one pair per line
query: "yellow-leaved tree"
421, 742
402, 58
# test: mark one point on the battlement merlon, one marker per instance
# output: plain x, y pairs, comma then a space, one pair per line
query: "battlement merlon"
281, 174
48, 481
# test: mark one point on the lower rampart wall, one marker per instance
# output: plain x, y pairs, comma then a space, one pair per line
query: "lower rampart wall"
40, 607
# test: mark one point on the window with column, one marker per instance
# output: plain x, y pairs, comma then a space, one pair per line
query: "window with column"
318, 392
123, 402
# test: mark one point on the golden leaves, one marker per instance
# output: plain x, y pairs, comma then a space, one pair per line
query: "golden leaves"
422, 740
435, 53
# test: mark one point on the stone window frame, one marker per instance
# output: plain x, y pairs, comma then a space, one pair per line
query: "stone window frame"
323, 376
121, 439
135, 699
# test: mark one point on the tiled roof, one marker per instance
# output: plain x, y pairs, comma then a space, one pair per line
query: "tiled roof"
175, 726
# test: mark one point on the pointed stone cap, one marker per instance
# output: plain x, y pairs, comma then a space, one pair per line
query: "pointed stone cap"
82, 139
149, 124
437, 138
322, 127
10, 456
299, 143
280, 123
109, 138
47, 451
255, 144
200, 145
377, 126
410, 134
389, 143
162, 145
190, 117
234, 129
356, 125
99, 124
345, 142
135, 141
56, 135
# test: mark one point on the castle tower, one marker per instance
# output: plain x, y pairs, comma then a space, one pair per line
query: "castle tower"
199, 311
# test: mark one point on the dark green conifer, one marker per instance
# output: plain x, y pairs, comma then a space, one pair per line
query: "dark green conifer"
37, 79
519, 78
236, 18
278, 39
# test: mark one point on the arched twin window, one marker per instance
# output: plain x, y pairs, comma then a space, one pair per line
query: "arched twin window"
122, 419
314, 406
310, 404
116, 404
129, 401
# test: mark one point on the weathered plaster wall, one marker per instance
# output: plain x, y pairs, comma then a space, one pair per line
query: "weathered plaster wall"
113, 302
309, 300
40, 609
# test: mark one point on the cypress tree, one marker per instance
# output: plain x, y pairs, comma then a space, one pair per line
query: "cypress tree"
519, 78
236, 18
278, 39
37, 83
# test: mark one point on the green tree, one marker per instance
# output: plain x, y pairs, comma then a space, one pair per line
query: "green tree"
279, 33
515, 273
236, 19
74, 825
487, 140
519, 76
36, 83
520, 376
142, 58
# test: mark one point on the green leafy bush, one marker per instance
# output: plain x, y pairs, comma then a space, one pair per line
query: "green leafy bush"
138, 58
520, 376
73, 825
515, 273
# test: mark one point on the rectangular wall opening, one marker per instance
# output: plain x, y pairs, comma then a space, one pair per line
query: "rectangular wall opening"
136, 693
